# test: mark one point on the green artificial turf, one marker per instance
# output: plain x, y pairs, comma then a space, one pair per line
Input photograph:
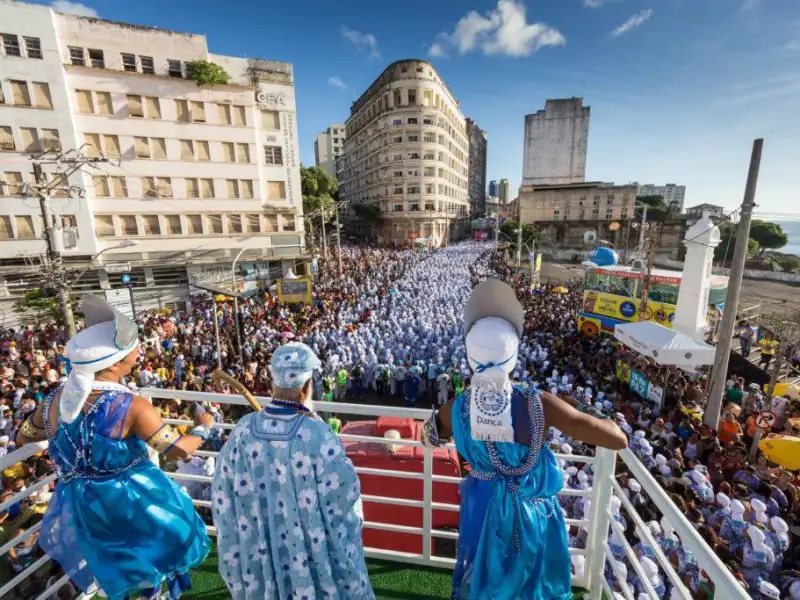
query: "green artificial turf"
390, 581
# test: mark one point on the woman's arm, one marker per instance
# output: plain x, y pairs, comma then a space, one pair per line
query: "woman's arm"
146, 423
588, 429
32, 429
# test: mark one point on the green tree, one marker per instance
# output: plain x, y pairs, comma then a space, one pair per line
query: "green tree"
727, 243
368, 213
39, 304
770, 236
509, 228
319, 189
656, 209
204, 72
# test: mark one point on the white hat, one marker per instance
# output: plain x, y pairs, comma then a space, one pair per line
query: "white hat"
758, 505
634, 486
769, 590
583, 477
4, 439
639, 434
578, 564
661, 460
737, 508
572, 470
566, 449
778, 525
723, 500
655, 528
794, 590
650, 568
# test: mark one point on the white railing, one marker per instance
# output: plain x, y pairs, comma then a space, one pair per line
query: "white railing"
596, 553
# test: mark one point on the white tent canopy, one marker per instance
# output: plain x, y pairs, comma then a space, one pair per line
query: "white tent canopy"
665, 346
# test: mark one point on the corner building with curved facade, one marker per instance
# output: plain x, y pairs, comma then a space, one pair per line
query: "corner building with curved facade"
407, 152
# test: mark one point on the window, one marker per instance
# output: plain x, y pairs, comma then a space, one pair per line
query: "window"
30, 139
397, 121
288, 223
397, 157
428, 189
182, 110
192, 188
194, 224
397, 208
214, 223
135, 108
243, 153
173, 224
270, 119
151, 225
153, 107
246, 188
397, 174
413, 155
11, 44
20, 93
85, 104
273, 155
202, 150
129, 62
51, 139
174, 68
96, 59
76, 56
413, 189
104, 106
111, 146
12, 183
119, 187
187, 149
148, 187
207, 188
397, 139
272, 223
92, 142
100, 183
234, 224
164, 187
41, 95
224, 112
398, 189
276, 190
104, 225
227, 152
412, 120
6, 139
148, 67
429, 172
413, 138
127, 225
233, 188
69, 222
239, 116
253, 223
5, 228
198, 112
24, 226
141, 147
33, 47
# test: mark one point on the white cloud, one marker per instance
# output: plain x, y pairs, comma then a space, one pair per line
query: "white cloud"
504, 31
793, 45
363, 41
635, 21
437, 51
73, 8
594, 3
337, 82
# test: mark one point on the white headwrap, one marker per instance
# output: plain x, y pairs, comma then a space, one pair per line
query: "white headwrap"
492, 345
108, 339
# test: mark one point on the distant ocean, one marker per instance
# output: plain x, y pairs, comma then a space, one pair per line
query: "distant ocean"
792, 229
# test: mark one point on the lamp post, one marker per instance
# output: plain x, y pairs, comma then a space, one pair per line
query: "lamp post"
122, 244
236, 306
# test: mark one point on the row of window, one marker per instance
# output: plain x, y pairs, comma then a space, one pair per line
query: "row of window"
109, 186
31, 139
187, 111
131, 63
36, 94
13, 47
168, 149
191, 224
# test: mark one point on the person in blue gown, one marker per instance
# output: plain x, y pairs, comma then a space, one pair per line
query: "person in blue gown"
512, 539
115, 521
286, 499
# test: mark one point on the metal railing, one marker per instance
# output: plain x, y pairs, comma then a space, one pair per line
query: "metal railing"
598, 523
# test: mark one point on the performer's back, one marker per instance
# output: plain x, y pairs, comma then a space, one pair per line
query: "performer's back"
287, 507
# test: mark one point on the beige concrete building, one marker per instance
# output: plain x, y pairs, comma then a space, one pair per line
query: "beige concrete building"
589, 201
328, 149
406, 151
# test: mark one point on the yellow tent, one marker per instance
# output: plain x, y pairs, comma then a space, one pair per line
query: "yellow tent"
783, 450
783, 388
560, 290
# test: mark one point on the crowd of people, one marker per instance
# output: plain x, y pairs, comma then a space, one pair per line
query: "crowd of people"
389, 326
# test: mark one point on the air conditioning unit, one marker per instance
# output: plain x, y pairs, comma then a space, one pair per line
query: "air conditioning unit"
639, 265
589, 237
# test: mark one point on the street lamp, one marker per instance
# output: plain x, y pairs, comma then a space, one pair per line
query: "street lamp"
122, 244
236, 306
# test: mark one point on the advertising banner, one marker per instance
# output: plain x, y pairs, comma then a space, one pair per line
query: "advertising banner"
294, 290
639, 384
625, 308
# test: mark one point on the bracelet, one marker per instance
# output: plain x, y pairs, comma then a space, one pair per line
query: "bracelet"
201, 431
163, 439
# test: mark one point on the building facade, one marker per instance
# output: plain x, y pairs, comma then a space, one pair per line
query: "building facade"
504, 191
193, 174
476, 180
556, 143
406, 151
674, 195
328, 149
493, 189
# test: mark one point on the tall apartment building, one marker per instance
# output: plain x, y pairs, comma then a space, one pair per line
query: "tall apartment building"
493, 189
406, 151
674, 195
476, 178
194, 173
556, 142
328, 149
504, 191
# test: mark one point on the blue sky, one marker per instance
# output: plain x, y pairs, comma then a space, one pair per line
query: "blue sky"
678, 88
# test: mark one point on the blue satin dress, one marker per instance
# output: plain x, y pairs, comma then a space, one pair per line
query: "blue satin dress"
512, 541
115, 516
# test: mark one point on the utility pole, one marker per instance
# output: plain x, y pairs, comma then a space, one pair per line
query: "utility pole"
642, 229
652, 242
338, 240
324, 237
722, 356
74, 161
519, 232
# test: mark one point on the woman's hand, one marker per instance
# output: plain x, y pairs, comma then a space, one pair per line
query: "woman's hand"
206, 418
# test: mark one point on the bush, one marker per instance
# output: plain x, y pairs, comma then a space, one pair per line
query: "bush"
204, 72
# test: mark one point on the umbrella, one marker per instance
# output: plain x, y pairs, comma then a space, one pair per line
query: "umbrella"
560, 290
287, 335
783, 450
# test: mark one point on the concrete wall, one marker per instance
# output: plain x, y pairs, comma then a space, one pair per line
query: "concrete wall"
556, 143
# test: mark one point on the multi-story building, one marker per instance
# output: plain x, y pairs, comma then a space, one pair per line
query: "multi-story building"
406, 151
504, 191
695, 213
194, 173
328, 148
556, 142
493, 189
674, 195
476, 179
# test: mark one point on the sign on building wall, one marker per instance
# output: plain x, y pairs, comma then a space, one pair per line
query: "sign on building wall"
289, 153
271, 99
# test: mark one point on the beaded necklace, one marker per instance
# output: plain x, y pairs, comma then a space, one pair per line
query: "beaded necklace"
297, 407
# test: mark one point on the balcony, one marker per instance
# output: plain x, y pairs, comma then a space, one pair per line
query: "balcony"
428, 568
